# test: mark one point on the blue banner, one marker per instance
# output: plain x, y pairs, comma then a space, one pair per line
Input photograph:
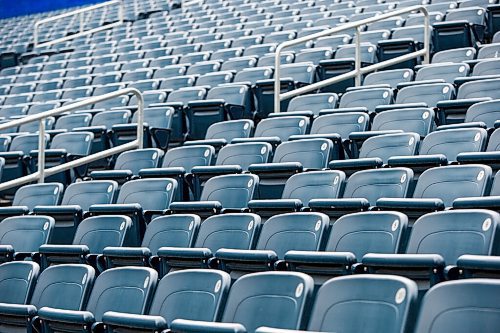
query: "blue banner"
11, 8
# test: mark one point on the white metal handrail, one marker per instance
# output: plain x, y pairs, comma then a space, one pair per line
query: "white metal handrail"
358, 71
40, 117
81, 12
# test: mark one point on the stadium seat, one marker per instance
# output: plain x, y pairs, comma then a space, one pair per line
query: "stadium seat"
17, 280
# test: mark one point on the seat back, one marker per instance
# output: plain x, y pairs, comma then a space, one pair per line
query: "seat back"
368, 232
460, 306
292, 232
71, 121
451, 182
385, 146
365, 303
230, 129
110, 118
244, 154
446, 72
273, 299
150, 194
26, 233
451, 142
282, 127
368, 98
188, 157
430, 93
314, 102
454, 55
48, 194
391, 77
99, 232
314, 185
75, 143
156, 117
342, 123
124, 289
193, 294
86, 194
311, 153
417, 120
135, 160
232, 191
254, 74
25, 143
17, 281
229, 231
456, 232
177, 230
72, 281
379, 183
480, 88
487, 112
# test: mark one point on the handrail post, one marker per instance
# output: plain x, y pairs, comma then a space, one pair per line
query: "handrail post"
277, 82
41, 150
357, 59
81, 22
140, 121
121, 11
427, 36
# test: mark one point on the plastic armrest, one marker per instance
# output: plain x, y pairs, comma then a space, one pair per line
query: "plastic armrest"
211, 142
475, 124
334, 137
362, 136
291, 167
6, 253
370, 86
382, 108
496, 125
306, 113
72, 250
403, 260
477, 262
115, 209
340, 110
67, 316
264, 329
461, 103
489, 158
127, 320
205, 102
416, 83
492, 202
162, 172
18, 310
126, 252
13, 211
93, 129
355, 204
246, 260
324, 263
273, 140
356, 164
293, 205
58, 210
184, 257
418, 161
195, 206
410, 204
216, 170
111, 174
192, 326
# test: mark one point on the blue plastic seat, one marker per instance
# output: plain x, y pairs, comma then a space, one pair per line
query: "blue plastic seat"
365, 100
390, 77
21, 236
312, 103
189, 294
29, 196
17, 280
72, 281
257, 294
460, 306
128, 290
454, 55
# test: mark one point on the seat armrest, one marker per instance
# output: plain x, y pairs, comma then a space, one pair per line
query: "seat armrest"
276, 206
453, 111
193, 326
273, 140
273, 168
127, 320
66, 316
178, 257
320, 263
205, 102
246, 260
340, 110
162, 172
264, 329
121, 209
418, 161
18, 310
213, 207
13, 211
382, 108
410, 204
121, 175
362, 136
58, 210
216, 143
306, 113
491, 202
7, 253
75, 250
126, 256
471, 266
339, 207
216, 170
491, 158
475, 124
334, 137
402, 85
353, 165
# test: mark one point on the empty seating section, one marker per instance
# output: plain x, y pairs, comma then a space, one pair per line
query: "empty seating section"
368, 206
